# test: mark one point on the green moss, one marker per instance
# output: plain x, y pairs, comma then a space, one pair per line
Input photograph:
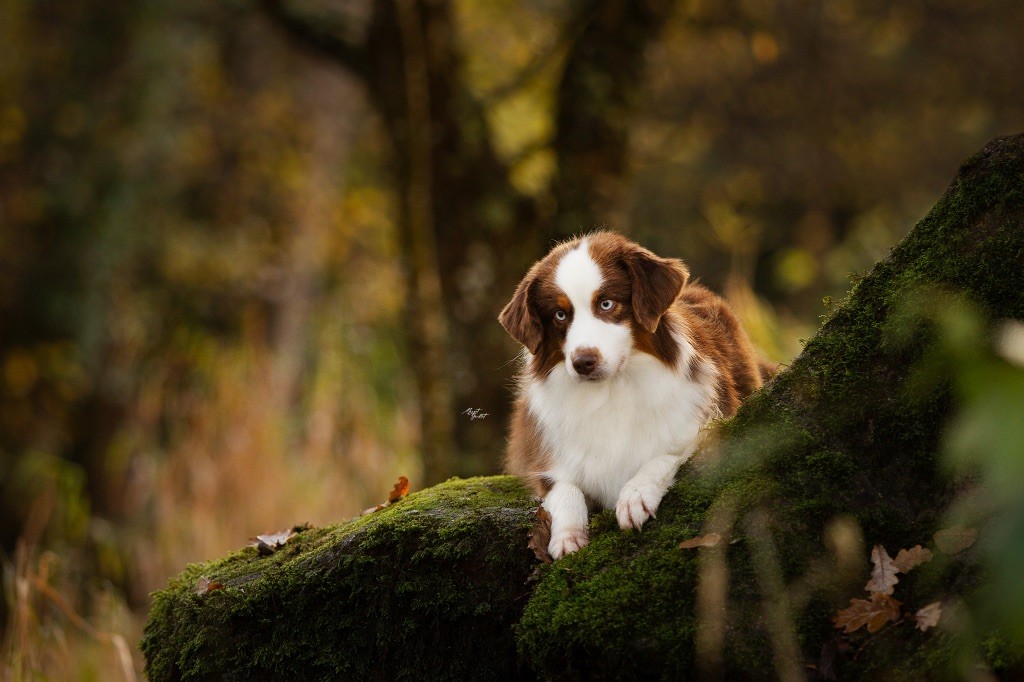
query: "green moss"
1003, 655
588, 602
835, 435
426, 588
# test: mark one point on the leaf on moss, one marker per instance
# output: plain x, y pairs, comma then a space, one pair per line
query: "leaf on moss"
874, 613
709, 540
269, 543
540, 536
955, 539
204, 586
277, 539
928, 617
883, 575
908, 559
400, 490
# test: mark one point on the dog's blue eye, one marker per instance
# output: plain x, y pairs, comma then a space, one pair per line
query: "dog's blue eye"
607, 304
560, 316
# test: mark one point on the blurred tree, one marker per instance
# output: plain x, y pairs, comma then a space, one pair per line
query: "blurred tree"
49, 213
790, 143
772, 142
172, 226
468, 233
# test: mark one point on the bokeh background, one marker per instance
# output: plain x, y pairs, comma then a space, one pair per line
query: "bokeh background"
252, 251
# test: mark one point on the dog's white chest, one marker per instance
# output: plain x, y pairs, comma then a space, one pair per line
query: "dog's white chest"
600, 433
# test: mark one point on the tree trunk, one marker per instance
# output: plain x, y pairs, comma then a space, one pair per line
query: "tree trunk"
596, 99
467, 235
439, 585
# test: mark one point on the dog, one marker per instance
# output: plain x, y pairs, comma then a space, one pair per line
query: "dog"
624, 362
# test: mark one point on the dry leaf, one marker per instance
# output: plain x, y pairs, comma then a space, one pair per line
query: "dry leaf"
874, 614
908, 559
277, 539
955, 539
400, 490
883, 575
540, 536
928, 617
709, 540
204, 585
269, 543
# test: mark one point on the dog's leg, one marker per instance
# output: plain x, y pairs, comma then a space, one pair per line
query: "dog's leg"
568, 509
642, 494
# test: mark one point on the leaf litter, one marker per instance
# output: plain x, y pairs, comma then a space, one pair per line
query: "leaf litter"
400, 490
882, 608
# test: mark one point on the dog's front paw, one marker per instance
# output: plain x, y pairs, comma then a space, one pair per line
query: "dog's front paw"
637, 503
567, 541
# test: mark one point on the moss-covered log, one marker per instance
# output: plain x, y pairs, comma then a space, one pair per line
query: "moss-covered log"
429, 586
439, 585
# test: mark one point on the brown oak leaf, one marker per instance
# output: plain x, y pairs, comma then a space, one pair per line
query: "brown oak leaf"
874, 613
204, 586
908, 559
955, 539
268, 543
883, 575
928, 617
400, 490
709, 540
276, 539
540, 536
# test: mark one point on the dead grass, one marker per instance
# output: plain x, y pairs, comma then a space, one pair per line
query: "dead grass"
255, 445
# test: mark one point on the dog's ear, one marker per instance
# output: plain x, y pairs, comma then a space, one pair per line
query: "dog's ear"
656, 283
520, 319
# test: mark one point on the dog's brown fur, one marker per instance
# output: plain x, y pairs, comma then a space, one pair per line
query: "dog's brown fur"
657, 302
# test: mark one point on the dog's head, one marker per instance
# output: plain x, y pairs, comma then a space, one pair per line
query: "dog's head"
590, 303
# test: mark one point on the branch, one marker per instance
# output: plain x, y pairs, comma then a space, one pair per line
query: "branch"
316, 39
571, 30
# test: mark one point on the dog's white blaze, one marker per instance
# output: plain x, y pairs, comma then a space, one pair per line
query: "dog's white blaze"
580, 277
602, 433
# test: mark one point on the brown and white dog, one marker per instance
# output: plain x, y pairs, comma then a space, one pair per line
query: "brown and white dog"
624, 362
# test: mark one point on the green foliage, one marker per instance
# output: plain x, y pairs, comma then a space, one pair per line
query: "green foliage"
982, 443
54, 489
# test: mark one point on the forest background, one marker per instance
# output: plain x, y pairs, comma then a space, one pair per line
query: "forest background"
252, 253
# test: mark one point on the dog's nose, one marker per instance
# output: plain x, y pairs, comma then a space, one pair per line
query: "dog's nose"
585, 361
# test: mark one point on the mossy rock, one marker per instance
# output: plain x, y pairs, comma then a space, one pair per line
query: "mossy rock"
439, 586
836, 436
428, 587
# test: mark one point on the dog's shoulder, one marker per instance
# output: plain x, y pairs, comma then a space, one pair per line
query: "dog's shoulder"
715, 332
527, 456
